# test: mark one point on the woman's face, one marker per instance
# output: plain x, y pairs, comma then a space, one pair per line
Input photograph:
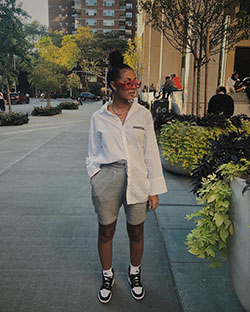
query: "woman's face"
126, 75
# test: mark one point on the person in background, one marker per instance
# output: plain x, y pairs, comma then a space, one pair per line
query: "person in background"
246, 84
234, 84
177, 81
221, 103
152, 88
2, 102
169, 87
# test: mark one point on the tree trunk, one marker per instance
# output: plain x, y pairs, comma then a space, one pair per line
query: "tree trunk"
8, 95
206, 75
194, 85
48, 100
198, 88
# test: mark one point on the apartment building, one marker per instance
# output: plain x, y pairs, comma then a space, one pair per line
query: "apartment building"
101, 16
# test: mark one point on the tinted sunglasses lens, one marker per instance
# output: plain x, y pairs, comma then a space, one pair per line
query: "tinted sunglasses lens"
128, 85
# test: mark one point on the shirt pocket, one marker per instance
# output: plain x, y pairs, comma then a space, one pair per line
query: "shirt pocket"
136, 135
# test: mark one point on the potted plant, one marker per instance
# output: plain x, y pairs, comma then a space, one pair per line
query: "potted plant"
184, 139
222, 224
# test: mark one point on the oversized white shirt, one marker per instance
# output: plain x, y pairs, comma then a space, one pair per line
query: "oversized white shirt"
134, 141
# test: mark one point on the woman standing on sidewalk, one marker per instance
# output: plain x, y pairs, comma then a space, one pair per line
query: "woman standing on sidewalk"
124, 167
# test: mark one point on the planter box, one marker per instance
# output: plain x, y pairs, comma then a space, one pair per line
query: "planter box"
239, 243
176, 168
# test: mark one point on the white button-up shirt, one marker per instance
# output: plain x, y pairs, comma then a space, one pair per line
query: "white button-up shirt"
133, 141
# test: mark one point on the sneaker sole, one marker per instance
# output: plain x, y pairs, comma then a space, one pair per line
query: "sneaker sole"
107, 301
131, 291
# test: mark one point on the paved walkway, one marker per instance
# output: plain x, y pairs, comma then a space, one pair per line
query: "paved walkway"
48, 232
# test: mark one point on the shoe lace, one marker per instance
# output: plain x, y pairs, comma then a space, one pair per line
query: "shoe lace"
107, 282
135, 280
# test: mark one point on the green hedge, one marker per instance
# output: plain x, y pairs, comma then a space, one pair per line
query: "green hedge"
45, 111
13, 119
68, 105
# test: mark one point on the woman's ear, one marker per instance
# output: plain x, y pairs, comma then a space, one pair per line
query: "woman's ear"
113, 86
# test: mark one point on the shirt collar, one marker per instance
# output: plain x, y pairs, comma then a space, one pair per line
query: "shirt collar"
135, 107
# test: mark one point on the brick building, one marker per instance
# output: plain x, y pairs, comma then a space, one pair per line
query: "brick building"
101, 16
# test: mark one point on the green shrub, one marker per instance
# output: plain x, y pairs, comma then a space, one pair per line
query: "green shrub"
45, 111
186, 142
68, 105
13, 119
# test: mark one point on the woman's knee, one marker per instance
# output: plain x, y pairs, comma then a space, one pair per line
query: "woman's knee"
106, 232
135, 232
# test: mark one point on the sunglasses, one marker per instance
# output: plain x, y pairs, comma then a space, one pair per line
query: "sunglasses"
128, 85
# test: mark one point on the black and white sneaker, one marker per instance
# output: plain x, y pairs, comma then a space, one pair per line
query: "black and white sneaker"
105, 292
137, 290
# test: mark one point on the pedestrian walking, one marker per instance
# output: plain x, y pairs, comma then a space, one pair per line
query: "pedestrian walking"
2, 102
124, 167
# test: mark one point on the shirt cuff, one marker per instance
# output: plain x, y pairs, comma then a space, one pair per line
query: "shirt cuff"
157, 186
92, 169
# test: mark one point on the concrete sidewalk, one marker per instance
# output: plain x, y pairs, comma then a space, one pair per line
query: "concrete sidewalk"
48, 232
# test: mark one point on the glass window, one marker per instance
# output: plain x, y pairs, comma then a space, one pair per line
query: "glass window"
108, 2
59, 7
78, 4
60, 15
129, 23
108, 13
129, 5
91, 2
93, 30
129, 14
91, 12
108, 23
91, 22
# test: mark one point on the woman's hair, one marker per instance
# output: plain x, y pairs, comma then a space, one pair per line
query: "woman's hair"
233, 76
116, 65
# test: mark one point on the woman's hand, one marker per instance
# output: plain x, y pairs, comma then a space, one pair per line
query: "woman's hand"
153, 202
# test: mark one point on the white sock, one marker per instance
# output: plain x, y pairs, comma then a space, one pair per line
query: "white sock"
134, 269
108, 272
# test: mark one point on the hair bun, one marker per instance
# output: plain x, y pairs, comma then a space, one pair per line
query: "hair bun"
115, 58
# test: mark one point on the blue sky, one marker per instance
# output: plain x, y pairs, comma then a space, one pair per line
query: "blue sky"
38, 9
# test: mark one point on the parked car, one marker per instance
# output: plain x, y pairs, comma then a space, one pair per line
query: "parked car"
19, 98
88, 96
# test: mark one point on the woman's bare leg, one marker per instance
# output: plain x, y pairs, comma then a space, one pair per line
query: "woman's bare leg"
105, 238
136, 242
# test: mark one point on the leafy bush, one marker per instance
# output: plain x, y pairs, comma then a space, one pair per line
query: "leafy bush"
13, 119
45, 111
186, 139
68, 105
213, 225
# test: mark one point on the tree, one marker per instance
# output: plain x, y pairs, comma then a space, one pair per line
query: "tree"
50, 71
13, 43
191, 25
73, 83
133, 55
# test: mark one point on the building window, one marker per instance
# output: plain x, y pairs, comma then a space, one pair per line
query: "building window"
108, 2
91, 22
93, 30
129, 5
108, 23
91, 2
129, 23
91, 12
129, 14
60, 24
60, 15
59, 7
78, 4
105, 31
108, 13
128, 31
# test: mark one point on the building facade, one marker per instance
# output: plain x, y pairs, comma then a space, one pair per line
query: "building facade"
101, 16
161, 60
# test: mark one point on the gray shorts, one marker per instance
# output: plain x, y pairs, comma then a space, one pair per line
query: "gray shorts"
108, 191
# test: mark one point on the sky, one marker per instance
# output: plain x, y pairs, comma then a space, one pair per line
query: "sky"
38, 9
